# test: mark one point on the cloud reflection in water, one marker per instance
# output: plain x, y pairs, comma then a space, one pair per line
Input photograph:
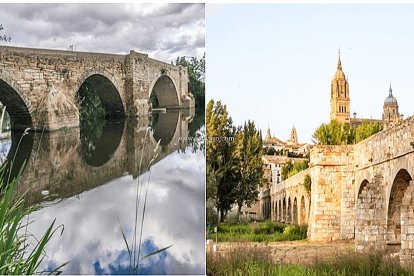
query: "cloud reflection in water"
92, 239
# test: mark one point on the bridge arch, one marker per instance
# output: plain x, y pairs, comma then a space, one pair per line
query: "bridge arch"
295, 211
165, 91
302, 210
399, 186
276, 209
108, 90
17, 104
289, 211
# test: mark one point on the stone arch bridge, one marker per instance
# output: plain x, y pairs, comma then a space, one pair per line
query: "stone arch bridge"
362, 192
39, 87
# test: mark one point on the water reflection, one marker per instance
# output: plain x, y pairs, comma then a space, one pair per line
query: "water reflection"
95, 176
99, 140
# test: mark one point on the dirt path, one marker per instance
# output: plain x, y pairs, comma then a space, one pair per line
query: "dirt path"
303, 252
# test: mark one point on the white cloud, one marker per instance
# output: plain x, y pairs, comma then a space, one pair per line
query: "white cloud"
164, 31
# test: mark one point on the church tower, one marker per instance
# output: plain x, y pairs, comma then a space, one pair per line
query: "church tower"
390, 115
340, 102
293, 136
268, 136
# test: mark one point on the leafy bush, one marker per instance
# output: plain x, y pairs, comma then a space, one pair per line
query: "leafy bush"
307, 183
90, 103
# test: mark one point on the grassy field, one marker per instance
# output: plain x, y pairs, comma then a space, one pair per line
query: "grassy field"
258, 232
255, 261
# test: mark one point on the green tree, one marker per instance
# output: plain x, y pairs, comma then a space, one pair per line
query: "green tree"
220, 157
289, 168
196, 72
249, 154
4, 37
334, 133
366, 129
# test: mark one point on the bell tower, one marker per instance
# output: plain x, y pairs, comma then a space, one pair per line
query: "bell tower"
340, 102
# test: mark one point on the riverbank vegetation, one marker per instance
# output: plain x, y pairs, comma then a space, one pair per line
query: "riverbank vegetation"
258, 232
259, 261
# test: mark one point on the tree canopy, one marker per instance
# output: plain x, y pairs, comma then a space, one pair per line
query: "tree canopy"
233, 155
336, 133
196, 74
289, 168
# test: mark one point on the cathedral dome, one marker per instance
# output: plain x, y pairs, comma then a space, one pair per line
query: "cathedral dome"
390, 100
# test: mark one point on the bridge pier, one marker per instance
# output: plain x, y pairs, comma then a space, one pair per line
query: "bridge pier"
407, 226
371, 219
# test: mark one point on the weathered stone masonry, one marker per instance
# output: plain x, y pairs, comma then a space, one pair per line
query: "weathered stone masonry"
39, 86
363, 192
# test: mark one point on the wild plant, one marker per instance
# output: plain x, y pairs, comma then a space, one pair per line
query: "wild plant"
134, 248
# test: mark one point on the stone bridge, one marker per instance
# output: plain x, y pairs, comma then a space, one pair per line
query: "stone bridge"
39, 87
60, 163
287, 202
362, 192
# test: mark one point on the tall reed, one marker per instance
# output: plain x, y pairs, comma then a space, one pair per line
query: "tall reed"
134, 248
17, 256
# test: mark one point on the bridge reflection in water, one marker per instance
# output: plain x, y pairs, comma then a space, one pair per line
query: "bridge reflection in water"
70, 161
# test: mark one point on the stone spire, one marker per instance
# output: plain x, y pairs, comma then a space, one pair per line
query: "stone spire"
390, 91
268, 136
339, 60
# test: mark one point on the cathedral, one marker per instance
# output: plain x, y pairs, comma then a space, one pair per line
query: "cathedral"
340, 103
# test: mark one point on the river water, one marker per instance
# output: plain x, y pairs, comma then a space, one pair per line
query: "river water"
109, 178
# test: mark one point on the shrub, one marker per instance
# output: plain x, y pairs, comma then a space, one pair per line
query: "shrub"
307, 183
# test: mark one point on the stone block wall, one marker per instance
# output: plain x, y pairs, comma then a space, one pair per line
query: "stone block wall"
332, 209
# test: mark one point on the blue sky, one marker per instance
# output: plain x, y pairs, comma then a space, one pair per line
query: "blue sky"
273, 63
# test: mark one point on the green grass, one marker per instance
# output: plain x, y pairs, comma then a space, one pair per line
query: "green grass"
17, 256
258, 232
255, 261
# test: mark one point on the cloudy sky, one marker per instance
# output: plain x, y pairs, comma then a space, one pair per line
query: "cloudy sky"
273, 63
164, 31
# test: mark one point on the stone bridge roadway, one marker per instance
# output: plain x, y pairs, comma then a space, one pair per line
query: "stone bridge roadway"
39, 87
363, 192
57, 161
